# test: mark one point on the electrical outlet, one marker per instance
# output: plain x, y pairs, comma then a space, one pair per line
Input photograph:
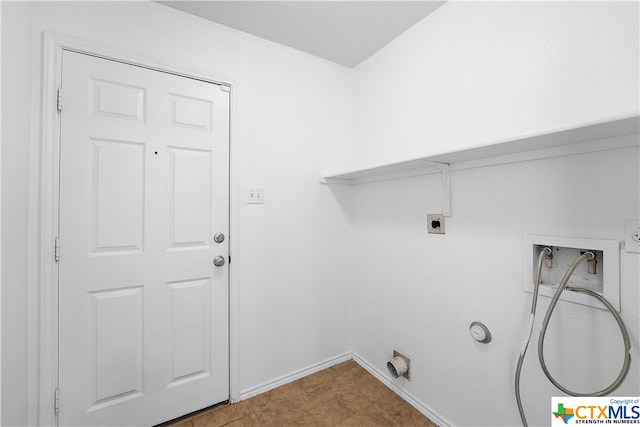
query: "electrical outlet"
255, 195
632, 236
435, 224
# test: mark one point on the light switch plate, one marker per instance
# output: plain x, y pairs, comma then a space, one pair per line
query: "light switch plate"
255, 195
632, 236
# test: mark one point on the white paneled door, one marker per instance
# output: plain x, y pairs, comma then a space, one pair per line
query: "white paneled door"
144, 187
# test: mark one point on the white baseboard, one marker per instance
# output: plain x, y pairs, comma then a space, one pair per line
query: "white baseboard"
420, 406
270, 385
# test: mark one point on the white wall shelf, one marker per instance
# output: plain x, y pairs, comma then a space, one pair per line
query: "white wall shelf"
563, 142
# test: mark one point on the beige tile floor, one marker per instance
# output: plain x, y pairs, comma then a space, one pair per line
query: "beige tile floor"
343, 395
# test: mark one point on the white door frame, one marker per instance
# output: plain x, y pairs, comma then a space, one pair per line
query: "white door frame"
42, 257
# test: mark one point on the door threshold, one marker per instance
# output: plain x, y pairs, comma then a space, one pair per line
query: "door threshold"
191, 414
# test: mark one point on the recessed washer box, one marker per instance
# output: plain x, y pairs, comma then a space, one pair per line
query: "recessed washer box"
605, 280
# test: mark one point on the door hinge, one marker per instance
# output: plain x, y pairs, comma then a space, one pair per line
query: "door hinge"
56, 401
59, 100
225, 88
56, 252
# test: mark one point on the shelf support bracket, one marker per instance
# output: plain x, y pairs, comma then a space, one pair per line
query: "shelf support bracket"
445, 170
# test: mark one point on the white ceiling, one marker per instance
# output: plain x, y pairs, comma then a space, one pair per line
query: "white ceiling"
346, 32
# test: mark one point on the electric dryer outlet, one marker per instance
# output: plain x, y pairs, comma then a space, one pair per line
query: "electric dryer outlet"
435, 223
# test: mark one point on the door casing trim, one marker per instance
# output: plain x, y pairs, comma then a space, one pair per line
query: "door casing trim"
44, 192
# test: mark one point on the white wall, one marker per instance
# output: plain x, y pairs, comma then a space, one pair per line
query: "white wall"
418, 293
468, 74
291, 117
474, 72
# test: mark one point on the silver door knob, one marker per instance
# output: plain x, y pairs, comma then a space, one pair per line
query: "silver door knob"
218, 261
218, 237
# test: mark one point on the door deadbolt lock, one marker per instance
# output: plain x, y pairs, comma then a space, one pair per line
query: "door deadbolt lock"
218, 237
218, 261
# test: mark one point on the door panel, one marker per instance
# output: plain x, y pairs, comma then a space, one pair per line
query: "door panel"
190, 112
118, 216
143, 313
118, 100
189, 332
190, 197
117, 345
